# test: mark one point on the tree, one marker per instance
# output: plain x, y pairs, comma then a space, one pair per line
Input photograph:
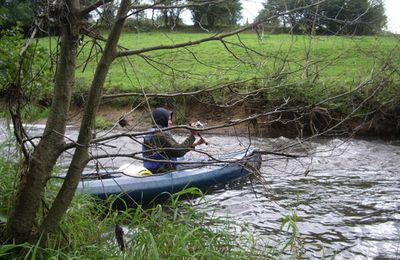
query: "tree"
108, 14
71, 18
360, 17
171, 16
270, 8
217, 13
17, 11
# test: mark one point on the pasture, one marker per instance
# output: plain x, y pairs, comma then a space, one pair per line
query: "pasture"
334, 61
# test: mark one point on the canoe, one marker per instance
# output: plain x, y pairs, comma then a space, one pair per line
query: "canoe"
144, 189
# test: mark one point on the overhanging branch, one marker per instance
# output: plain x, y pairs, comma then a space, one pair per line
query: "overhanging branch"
216, 37
94, 6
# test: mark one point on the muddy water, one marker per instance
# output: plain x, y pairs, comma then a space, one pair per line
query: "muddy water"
346, 192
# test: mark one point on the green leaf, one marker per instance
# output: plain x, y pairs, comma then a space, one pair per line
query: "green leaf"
3, 214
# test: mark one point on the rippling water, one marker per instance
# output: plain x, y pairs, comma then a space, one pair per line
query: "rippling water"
346, 191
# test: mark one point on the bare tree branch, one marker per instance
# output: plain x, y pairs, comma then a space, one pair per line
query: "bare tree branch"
216, 37
94, 6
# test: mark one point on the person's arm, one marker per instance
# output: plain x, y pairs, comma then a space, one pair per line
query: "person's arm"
200, 141
171, 147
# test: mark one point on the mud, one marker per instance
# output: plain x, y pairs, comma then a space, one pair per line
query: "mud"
239, 120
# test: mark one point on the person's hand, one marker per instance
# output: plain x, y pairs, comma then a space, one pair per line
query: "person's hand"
202, 140
194, 132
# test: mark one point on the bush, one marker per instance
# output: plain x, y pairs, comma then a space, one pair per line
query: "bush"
25, 73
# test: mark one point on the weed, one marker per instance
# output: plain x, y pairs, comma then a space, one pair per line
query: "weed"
103, 123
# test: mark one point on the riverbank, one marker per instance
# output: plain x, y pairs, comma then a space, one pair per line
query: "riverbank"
258, 120
302, 123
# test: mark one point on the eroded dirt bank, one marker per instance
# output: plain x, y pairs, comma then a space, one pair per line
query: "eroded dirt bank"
311, 121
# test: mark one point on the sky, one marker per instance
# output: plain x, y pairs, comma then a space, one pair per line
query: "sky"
252, 7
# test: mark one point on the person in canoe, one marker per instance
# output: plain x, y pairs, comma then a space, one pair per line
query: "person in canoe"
160, 145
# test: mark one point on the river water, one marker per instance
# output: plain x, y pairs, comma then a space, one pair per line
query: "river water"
345, 191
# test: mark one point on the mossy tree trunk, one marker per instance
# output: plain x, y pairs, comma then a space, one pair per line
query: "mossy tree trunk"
21, 226
81, 155
40, 164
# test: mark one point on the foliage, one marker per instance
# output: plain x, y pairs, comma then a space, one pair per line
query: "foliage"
170, 17
33, 112
24, 70
10, 45
17, 12
103, 123
212, 14
139, 25
107, 15
349, 17
71, 21
3, 214
294, 242
174, 230
8, 177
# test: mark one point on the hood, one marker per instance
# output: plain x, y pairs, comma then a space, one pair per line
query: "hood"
160, 116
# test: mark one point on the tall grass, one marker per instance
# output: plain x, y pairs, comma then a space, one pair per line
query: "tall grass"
33, 112
170, 231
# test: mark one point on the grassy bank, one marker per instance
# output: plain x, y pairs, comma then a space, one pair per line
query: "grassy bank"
331, 61
305, 69
300, 69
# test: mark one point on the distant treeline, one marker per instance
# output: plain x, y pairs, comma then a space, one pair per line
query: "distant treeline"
339, 17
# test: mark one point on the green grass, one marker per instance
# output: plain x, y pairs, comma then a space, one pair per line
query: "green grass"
34, 112
103, 123
8, 171
337, 61
299, 68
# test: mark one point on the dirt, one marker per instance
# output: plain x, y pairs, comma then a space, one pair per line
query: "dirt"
288, 125
139, 119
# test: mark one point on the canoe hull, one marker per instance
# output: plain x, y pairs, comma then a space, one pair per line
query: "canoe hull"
144, 189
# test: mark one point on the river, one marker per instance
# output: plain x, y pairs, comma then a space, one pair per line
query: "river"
345, 191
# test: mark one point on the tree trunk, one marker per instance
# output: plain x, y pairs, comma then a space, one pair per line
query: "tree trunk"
39, 167
79, 159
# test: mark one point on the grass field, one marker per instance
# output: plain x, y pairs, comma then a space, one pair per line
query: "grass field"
333, 61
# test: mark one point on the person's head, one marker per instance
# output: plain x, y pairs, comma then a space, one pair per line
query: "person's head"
162, 117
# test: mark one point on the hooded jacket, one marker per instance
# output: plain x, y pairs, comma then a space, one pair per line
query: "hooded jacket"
162, 146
